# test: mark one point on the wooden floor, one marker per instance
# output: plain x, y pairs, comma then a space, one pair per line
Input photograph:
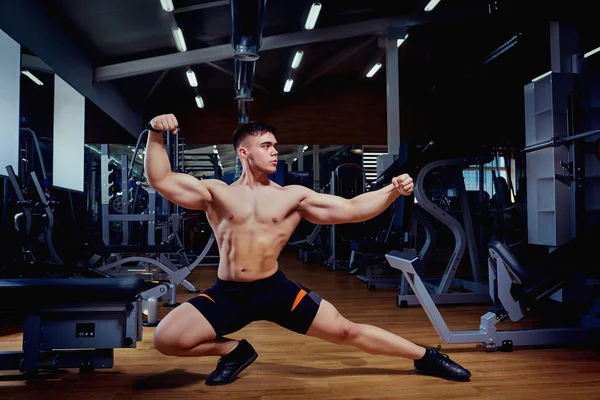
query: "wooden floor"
291, 366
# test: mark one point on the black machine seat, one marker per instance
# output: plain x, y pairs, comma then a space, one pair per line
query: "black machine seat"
543, 275
32, 293
516, 271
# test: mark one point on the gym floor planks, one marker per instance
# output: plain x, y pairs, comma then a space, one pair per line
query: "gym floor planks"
292, 366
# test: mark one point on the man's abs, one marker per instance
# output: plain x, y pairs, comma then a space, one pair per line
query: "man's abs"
248, 253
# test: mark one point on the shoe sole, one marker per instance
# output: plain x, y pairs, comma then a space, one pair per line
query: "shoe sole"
442, 377
236, 373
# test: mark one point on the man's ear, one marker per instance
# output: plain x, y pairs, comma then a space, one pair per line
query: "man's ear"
243, 153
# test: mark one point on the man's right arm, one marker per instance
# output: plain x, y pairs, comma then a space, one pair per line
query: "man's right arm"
181, 189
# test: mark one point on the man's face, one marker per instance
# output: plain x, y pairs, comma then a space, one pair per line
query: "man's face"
262, 152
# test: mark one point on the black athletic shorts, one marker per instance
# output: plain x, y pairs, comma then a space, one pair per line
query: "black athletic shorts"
229, 306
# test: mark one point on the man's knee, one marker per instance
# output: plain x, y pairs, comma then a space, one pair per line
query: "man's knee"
166, 341
171, 341
349, 331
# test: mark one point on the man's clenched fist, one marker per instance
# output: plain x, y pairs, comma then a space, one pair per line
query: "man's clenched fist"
165, 122
404, 184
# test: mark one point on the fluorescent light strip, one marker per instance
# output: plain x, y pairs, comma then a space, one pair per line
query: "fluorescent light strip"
179, 40
591, 53
431, 5
373, 70
400, 41
32, 77
288, 85
297, 59
167, 5
192, 78
199, 101
313, 14
542, 76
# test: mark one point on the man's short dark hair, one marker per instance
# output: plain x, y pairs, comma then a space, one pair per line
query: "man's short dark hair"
250, 128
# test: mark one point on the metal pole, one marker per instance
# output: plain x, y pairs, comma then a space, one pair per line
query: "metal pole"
316, 168
393, 94
559, 140
301, 158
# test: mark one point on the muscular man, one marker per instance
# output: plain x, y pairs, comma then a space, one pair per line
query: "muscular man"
253, 219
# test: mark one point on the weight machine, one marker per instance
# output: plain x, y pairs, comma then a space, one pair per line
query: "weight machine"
469, 291
516, 288
150, 260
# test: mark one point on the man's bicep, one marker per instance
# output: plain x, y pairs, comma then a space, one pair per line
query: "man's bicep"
324, 209
185, 191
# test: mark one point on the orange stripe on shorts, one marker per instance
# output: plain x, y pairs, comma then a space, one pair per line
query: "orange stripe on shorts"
207, 296
299, 298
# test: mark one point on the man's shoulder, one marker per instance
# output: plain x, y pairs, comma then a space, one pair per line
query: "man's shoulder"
214, 183
298, 190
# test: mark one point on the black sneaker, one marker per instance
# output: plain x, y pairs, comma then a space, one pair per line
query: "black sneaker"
232, 364
437, 364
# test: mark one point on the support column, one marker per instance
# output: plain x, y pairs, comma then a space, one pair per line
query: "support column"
301, 158
316, 168
392, 93
565, 49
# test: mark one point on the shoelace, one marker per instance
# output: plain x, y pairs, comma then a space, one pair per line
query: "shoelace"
442, 355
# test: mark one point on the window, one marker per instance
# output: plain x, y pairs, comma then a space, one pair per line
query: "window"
498, 165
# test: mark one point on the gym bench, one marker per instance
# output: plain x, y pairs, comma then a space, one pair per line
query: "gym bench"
72, 322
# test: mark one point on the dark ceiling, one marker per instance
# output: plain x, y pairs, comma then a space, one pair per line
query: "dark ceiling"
445, 52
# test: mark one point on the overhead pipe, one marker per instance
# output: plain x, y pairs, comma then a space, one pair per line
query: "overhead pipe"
247, 19
244, 79
243, 111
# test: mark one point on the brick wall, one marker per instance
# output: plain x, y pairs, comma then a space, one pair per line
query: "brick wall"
337, 114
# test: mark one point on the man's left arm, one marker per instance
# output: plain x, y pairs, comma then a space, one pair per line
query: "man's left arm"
325, 209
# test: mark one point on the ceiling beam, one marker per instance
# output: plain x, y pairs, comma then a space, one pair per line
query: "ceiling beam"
202, 6
334, 61
34, 63
225, 51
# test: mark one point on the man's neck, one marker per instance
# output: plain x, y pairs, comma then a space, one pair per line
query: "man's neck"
253, 179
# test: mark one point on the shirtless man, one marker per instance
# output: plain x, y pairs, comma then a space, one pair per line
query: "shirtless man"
253, 219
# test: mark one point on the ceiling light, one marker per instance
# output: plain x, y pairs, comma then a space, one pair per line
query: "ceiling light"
192, 78
295, 159
167, 5
373, 70
591, 53
179, 40
199, 101
431, 5
297, 59
305, 148
400, 41
313, 14
542, 76
288, 85
356, 151
32, 77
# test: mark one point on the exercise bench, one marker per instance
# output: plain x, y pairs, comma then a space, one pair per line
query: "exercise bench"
72, 322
